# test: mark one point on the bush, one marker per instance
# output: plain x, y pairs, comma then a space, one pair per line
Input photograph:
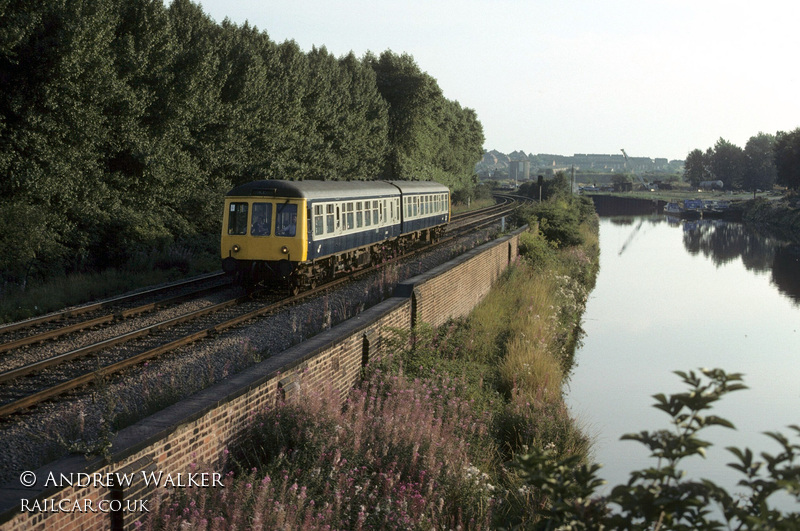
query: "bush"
661, 497
535, 249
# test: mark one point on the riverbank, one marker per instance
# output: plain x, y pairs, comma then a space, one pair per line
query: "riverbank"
779, 214
781, 217
430, 438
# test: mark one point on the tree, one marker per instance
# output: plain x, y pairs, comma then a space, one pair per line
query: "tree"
55, 111
760, 171
727, 164
430, 137
366, 127
695, 169
412, 96
348, 118
618, 180
787, 158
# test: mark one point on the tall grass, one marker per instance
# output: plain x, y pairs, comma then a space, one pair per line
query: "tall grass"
476, 204
41, 296
397, 456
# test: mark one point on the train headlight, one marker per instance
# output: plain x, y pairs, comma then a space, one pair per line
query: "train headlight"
236, 248
285, 250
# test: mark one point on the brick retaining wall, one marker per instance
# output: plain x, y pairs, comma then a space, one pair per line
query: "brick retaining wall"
200, 427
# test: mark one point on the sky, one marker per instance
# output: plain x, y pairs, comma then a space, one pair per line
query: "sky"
656, 78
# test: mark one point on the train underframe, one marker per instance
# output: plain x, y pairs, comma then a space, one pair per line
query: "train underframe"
300, 276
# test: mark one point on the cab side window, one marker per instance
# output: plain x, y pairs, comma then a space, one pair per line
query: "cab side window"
237, 219
286, 220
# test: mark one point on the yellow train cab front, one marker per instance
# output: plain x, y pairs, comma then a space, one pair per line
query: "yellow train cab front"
261, 229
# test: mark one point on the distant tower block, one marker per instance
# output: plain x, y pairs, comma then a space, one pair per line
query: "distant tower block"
519, 170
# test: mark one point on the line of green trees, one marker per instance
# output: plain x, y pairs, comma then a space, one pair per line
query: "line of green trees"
766, 160
124, 122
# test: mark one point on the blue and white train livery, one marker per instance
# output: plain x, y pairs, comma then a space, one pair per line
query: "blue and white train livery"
302, 232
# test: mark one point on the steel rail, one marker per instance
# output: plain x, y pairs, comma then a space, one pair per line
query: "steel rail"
64, 314
124, 338
104, 319
58, 389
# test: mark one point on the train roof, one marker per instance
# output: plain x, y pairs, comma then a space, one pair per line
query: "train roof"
314, 189
333, 189
419, 187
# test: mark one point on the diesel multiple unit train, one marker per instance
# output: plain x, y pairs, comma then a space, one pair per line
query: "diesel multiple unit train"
299, 233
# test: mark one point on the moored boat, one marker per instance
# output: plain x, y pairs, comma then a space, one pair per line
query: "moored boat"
688, 209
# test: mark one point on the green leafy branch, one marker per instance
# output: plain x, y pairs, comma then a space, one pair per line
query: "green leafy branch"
661, 497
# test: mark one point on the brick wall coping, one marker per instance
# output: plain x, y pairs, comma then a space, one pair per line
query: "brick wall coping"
406, 288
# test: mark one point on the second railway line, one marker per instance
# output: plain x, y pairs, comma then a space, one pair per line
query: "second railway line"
189, 369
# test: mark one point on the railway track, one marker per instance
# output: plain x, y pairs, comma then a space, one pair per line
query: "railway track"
58, 324
23, 385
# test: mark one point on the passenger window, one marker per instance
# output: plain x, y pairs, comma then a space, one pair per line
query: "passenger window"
349, 216
286, 220
359, 215
262, 218
319, 221
329, 219
237, 219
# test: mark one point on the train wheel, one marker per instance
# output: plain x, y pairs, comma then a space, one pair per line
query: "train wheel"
294, 288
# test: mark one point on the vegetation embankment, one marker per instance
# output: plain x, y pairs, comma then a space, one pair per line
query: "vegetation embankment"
124, 122
428, 438
781, 217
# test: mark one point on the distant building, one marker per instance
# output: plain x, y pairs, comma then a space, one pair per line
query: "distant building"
519, 170
550, 164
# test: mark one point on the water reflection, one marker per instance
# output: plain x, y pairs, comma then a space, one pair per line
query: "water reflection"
786, 271
676, 297
723, 242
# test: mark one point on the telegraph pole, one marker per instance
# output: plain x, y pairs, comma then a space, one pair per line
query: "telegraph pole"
572, 184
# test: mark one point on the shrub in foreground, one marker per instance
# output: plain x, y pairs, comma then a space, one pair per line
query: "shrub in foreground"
397, 456
662, 497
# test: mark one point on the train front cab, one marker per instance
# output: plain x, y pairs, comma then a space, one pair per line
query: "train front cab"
263, 238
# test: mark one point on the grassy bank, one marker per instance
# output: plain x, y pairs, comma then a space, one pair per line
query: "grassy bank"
147, 268
430, 437
782, 217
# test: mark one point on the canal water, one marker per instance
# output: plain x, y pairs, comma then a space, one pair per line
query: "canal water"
680, 295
